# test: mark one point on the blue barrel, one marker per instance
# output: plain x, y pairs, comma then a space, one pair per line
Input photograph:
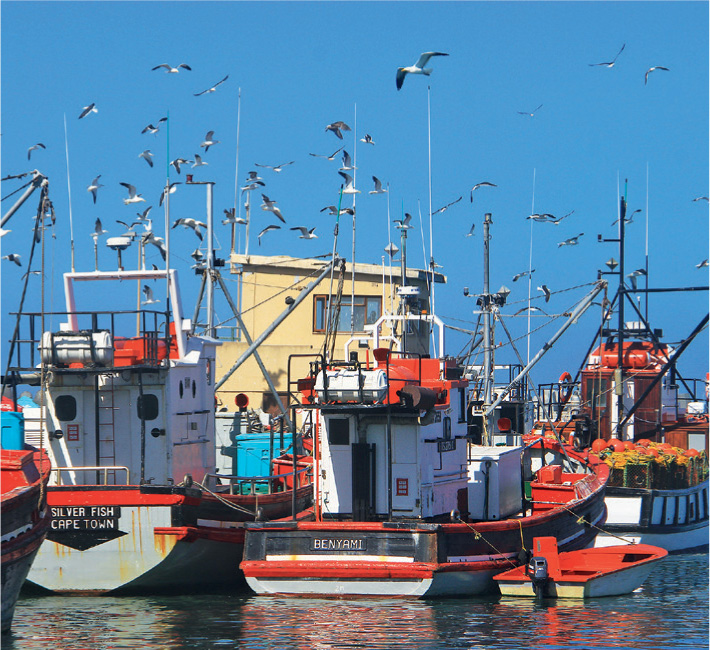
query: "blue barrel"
13, 430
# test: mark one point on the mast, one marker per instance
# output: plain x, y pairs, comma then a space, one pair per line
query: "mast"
487, 365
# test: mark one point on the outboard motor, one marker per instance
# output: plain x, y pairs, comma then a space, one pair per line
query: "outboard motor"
538, 573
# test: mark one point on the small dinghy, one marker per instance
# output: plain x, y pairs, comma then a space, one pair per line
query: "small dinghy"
586, 573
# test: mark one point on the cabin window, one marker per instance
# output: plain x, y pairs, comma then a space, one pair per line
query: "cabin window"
180, 389
194, 389
447, 428
148, 407
462, 405
365, 310
596, 392
338, 431
65, 408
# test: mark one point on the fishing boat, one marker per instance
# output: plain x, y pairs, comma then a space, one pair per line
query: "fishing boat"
408, 502
586, 573
626, 405
24, 473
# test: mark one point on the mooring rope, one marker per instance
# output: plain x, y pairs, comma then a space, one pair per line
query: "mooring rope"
226, 502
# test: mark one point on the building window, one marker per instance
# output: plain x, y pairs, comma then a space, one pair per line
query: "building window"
365, 310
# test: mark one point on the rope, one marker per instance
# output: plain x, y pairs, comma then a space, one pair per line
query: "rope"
478, 535
219, 497
22, 187
581, 521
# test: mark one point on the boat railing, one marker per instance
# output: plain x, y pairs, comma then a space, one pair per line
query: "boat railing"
557, 401
151, 328
101, 472
258, 485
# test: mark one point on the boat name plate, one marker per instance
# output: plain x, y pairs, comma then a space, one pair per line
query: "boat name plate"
85, 517
446, 445
340, 544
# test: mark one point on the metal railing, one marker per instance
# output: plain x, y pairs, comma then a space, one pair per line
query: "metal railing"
105, 469
271, 482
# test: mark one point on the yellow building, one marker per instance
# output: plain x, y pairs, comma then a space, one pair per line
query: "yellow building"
268, 287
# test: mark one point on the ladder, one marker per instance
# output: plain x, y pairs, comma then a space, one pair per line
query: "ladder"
107, 426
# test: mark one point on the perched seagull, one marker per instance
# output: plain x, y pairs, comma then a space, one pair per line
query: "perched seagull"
447, 206
231, 218
347, 162
253, 176
91, 108
627, 219
378, 186
267, 229
701, 198
572, 241
209, 141
470, 232
179, 161
305, 232
276, 168
546, 291
253, 186
517, 276
331, 157
150, 238
270, 206
702, 264
530, 114
191, 223
144, 215
39, 145
337, 128
532, 308
650, 70
367, 139
610, 64
169, 69
94, 186
333, 210
349, 189
483, 184
132, 196
13, 257
98, 229
198, 161
211, 89
403, 223
172, 188
417, 68
154, 129
147, 156
148, 293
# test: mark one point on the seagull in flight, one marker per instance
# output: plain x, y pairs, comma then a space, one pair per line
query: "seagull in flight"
179, 161
337, 128
447, 206
531, 308
530, 114
13, 257
209, 141
270, 206
91, 108
701, 198
470, 232
150, 238
305, 232
517, 276
253, 176
545, 217
635, 274
144, 215
132, 196
557, 221
417, 68
546, 291
94, 186
211, 89
276, 168
146, 155
267, 229
98, 229
610, 64
347, 162
403, 223
154, 129
367, 139
572, 241
650, 70
191, 223
253, 186
148, 293
331, 157
198, 162
333, 210
702, 264
628, 219
170, 70
349, 189
231, 218
39, 145
378, 186
483, 184
172, 188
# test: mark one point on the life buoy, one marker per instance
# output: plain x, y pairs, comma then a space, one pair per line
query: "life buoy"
566, 390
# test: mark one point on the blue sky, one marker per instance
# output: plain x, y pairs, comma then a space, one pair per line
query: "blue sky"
301, 66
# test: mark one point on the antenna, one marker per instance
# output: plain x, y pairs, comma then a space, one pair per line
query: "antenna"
532, 211
71, 220
352, 287
431, 229
236, 169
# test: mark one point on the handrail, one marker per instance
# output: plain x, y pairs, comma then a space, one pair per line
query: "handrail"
92, 468
257, 480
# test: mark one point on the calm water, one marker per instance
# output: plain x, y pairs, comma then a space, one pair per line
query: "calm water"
670, 611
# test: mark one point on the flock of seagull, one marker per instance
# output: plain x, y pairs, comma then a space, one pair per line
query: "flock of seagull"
255, 182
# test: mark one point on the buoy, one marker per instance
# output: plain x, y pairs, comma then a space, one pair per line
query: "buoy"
616, 444
599, 445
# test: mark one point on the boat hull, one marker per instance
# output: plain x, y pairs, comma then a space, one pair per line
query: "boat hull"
676, 520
